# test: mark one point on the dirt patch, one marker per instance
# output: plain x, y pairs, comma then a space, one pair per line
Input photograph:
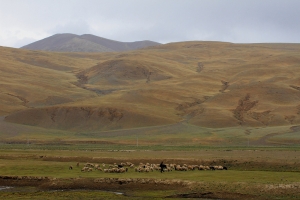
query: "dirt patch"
295, 87
200, 67
295, 128
225, 85
243, 107
46, 183
216, 195
17, 181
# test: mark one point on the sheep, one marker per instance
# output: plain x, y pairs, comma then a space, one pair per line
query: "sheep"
168, 169
70, 167
201, 167
122, 170
147, 169
172, 166
84, 169
181, 168
184, 168
190, 167
115, 169
98, 168
131, 166
206, 167
141, 169
150, 167
177, 167
89, 165
218, 167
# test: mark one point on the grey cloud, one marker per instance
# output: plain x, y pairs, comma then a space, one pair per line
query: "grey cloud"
162, 21
23, 42
75, 27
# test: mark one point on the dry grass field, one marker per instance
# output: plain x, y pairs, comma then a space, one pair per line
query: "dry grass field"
207, 84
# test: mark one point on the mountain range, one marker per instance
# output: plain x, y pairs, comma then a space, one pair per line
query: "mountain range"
198, 91
85, 43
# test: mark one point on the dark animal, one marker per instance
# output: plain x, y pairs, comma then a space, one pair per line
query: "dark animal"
212, 168
225, 168
162, 167
120, 166
71, 167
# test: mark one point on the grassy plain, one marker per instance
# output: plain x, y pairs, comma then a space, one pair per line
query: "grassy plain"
253, 173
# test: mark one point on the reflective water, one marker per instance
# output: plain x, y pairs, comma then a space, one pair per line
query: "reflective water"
4, 188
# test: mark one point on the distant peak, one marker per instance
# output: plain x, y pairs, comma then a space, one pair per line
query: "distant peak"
64, 42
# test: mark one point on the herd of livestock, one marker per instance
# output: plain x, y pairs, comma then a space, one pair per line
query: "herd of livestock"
125, 166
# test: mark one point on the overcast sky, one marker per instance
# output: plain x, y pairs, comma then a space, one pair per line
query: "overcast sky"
238, 21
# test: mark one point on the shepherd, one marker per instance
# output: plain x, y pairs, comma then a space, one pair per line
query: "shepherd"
162, 166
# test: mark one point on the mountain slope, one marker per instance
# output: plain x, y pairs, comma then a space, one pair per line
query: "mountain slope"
84, 43
206, 84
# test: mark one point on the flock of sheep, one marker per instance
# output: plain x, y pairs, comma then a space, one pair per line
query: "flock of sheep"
125, 166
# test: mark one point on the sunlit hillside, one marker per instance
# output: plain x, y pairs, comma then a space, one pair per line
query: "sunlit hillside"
203, 84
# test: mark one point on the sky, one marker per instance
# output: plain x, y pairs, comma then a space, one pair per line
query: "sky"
238, 21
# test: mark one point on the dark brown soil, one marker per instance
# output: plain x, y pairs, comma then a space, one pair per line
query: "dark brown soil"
211, 195
116, 184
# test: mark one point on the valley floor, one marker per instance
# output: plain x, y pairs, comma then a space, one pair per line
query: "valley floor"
262, 173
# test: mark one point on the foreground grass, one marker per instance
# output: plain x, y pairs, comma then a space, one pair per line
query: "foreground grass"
264, 174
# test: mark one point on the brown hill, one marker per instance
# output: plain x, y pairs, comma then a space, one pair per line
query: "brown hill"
85, 43
207, 84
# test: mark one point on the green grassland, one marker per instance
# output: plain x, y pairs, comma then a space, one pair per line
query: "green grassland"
263, 173
180, 135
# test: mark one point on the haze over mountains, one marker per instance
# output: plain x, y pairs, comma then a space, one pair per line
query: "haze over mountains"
85, 43
170, 87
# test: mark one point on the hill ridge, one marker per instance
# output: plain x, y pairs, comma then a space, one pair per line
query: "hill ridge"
204, 84
68, 42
